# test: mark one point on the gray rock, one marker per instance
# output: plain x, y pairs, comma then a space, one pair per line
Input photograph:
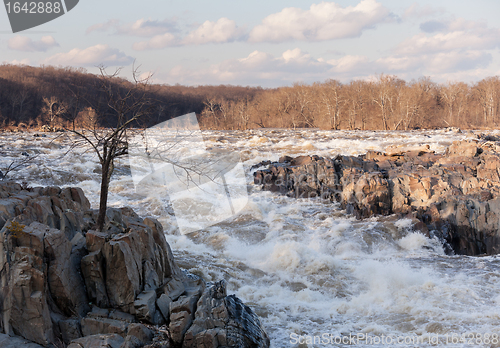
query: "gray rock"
70, 330
65, 283
7, 341
95, 240
140, 332
163, 303
93, 325
98, 341
145, 307
122, 275
174, 288
224, 321
93, 267
25, 310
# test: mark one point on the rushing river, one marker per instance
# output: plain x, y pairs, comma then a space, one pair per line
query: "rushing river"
316, 276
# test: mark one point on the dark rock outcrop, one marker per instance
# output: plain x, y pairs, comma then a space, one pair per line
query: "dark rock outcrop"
455, 194
64, 284
222, 320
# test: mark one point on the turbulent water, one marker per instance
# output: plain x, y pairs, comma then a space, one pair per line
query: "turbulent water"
316, 276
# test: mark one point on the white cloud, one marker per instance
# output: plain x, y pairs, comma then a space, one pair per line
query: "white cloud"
91, 56
324, 21
458, 34
443, 42
23, 43
156, 42
446, 62
446, 47
141, 27
224, 30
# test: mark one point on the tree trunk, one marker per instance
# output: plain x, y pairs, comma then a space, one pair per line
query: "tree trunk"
107, 170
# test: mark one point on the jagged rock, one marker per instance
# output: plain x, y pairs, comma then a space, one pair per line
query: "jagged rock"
25, 310
7, 341
145, 308
163, 303
61, 209
98, 341
401, 150
92, 266
182, 313
139, 331
174, 288
122, 274
95, 240
70, 330
464, 148
224, 321
65, 283
101, 321
367, 196
97, 325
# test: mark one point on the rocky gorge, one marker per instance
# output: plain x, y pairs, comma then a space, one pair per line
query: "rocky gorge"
66, 285
454, 196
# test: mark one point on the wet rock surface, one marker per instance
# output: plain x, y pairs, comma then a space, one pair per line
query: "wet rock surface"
454, 195
65, 285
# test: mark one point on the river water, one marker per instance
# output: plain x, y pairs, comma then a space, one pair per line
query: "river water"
316, 276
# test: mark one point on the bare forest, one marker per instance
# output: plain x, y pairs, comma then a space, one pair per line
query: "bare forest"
66, 97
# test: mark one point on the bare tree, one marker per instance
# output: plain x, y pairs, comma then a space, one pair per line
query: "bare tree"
53, 108
487, 93
384, 94
126, 106
332, 100
210, 112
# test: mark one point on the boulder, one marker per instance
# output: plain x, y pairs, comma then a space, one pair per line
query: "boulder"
367, 196
25, 308
98, 341
224, 321
7, 341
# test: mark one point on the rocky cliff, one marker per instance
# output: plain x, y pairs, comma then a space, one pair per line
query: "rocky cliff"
454, 195
65, 285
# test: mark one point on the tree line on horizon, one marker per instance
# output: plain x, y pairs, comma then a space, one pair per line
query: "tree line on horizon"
387, 103
33, 97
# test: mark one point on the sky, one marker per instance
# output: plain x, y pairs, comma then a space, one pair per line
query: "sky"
269, 43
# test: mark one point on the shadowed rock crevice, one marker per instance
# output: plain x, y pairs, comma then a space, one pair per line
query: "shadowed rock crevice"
454, 195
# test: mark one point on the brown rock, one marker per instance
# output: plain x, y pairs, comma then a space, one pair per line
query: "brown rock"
65, 283
122, 275
93, 272
464, 148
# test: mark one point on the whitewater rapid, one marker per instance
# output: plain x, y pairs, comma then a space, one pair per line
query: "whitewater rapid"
311, 272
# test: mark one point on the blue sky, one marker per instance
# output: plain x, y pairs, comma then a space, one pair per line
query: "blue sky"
268, 43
